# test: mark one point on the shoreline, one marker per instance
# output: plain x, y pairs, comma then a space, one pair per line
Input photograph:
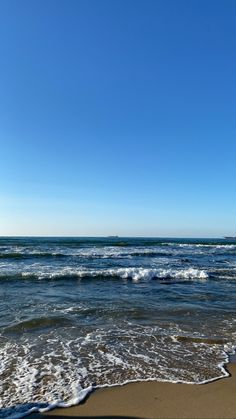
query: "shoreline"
155, 399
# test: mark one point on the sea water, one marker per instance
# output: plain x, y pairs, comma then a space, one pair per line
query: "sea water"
77, 313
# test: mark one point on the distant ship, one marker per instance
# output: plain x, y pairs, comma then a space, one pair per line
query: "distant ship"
230, 237
113, 237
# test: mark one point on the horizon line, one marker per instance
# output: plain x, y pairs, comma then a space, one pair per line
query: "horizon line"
112, 236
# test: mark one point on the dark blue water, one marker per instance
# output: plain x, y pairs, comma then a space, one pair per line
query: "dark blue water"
77, 312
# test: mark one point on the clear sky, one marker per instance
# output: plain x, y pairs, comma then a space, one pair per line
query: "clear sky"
118, 117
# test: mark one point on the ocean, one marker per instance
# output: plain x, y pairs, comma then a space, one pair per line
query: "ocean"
79, 313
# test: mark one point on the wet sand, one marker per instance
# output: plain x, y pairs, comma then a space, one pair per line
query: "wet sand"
157, 400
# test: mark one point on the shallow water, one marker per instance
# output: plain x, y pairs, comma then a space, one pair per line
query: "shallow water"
102, 311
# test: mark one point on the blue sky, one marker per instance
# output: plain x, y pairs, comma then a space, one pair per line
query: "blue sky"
118, 117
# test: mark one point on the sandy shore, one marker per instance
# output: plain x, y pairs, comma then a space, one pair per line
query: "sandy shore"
158, 400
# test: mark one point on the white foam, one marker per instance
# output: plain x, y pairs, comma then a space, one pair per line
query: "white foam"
50, 383
205, 245
134, 273
61, 376
91, 252
190, 273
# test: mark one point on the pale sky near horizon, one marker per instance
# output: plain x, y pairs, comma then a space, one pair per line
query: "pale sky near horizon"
118, 117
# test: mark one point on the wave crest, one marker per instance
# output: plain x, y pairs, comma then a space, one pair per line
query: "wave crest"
135, 274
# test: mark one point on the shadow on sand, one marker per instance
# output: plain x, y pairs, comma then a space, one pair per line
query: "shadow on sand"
37, 416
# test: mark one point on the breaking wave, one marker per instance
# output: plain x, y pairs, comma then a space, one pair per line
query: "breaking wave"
135, 274
79, 313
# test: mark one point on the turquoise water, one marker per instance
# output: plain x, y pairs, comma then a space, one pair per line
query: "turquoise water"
83, 312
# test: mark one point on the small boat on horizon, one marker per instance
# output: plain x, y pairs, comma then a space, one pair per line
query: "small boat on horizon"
230, 237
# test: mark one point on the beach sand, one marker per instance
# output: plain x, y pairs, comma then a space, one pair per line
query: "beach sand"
157, 400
